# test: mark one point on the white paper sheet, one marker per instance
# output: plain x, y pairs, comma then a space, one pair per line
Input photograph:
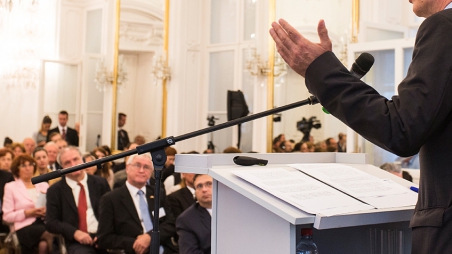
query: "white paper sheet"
380, 193
42, 200
302, 191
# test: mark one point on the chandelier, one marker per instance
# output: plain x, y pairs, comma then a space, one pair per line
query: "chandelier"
255, 66
9, 4
104, 77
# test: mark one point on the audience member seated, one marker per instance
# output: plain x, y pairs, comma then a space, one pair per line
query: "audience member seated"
73, 205
6, 158
52, 153
23, 205
180, 200
139, 140
5, 177
61, 143
168, 168
311, 147
29, 145
208, 151
88, 158
106, 171
331, 145
342, 143
194, 224
232, 149
320, 147
42, 164
396, 170
120, 175
17, 149
7, 142
277, 143
126, 213
40, 136
54, 137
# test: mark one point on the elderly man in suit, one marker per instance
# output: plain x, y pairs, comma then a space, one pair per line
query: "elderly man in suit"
194, 224
126, 214
73, 205
68, 134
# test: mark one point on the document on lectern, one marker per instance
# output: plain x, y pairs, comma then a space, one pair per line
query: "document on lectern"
302, 191
379, 193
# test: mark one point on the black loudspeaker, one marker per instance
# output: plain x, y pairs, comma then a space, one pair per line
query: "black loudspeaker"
237, 108
236, 105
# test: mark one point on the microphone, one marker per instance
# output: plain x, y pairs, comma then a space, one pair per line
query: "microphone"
249, 161
360, 67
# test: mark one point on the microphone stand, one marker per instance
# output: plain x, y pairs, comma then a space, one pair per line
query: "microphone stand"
157, 150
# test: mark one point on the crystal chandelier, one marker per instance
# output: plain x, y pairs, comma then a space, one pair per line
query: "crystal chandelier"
104, 77
255, 66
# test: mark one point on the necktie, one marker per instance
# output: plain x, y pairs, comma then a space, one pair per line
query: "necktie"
146, 217
63, 134
82, 207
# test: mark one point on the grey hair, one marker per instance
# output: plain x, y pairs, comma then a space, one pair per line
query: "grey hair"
145, 155
391, 167
50, 143
66, 149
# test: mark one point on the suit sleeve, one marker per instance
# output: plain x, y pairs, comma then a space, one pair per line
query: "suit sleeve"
107, 237
9, 213
54, 217
174, 204
404, 123
188, 242
167, 223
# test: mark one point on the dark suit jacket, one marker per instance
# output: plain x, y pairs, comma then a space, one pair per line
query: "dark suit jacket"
194, 229
119, 224
123, 139
180, 200
71, 136
418, 119
62, 213
5, 177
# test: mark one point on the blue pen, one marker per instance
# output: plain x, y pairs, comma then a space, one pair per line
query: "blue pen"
415, 189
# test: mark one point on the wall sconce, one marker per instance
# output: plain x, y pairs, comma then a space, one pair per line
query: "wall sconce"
104, 77
161, 70
255, 66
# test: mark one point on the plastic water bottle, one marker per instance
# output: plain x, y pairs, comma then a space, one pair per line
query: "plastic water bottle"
306, 245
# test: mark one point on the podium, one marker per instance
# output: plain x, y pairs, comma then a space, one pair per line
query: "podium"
247, 219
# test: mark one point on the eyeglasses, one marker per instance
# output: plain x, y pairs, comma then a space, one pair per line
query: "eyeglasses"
206, 184
138, 166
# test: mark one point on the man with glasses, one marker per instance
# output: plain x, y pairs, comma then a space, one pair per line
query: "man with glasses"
126, 213
194, 224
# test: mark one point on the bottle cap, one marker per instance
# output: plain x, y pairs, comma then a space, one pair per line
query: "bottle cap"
306, 231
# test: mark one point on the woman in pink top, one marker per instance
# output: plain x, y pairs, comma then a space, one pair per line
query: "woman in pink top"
24, 205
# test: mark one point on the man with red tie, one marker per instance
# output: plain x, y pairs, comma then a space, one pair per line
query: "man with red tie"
73, 205
67, 133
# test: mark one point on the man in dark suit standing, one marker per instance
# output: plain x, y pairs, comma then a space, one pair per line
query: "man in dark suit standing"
73, 205
68, 134
418, 119
126, 214
194, 224
123, 136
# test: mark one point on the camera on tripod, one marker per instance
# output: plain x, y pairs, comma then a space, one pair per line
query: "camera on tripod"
211, 120
305, 126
